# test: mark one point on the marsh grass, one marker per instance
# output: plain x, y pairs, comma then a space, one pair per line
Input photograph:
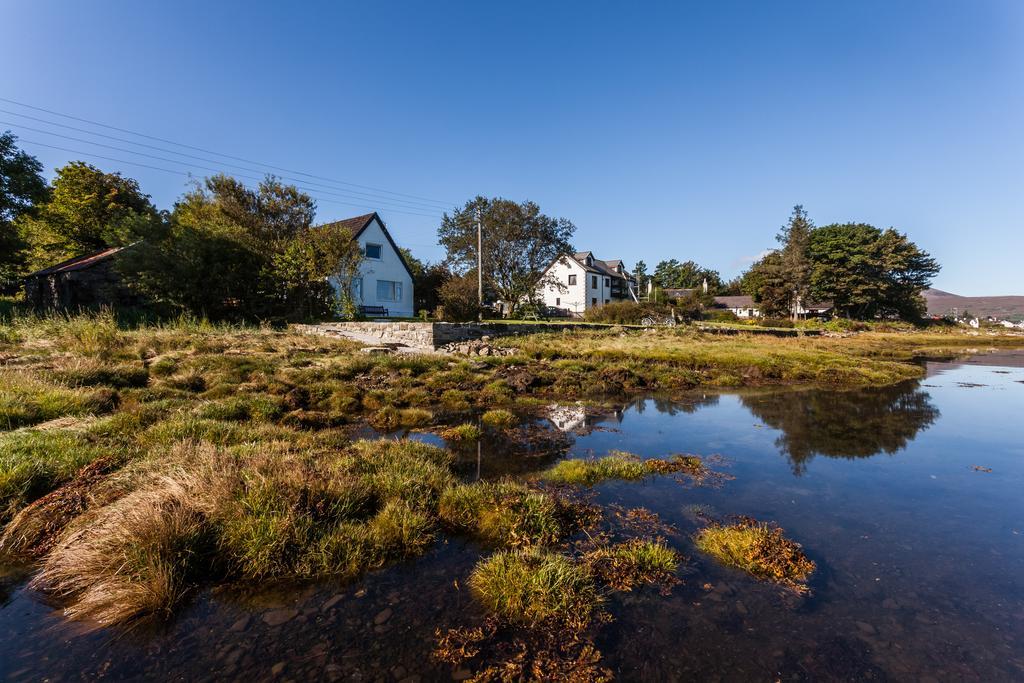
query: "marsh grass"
621, 466
505, 514
27, 400
461, 433
34, 462
533, 586
636, 562
758, 548
498, 418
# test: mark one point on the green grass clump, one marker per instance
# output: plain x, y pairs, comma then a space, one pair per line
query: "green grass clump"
498, 418
34, 462
759, 549
634, 563
460, 433
26, 400
532, 586
258, 407
98, 373
617, 465
505, 514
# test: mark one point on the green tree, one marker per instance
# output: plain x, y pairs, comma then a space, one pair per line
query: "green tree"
22, 188
87, 210
867, 272
228, 251
458, 299
769, 285
640, 273
794, 257
686, 275
519, 242
427, 279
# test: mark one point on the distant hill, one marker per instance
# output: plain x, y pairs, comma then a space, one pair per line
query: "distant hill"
940, 303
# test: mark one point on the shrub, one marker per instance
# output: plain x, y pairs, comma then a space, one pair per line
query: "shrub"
459, 299
626, 312
533, 586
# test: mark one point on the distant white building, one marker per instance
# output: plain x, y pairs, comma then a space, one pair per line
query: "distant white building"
383, 287
576, 283
740, 306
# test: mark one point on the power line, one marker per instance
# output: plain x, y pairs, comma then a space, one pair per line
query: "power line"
183, 154
186, 173
220, 154
349, 194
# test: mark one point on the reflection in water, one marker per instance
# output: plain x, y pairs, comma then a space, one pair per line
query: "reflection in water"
844, 424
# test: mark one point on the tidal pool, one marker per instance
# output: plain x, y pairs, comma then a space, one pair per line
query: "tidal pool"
910, 499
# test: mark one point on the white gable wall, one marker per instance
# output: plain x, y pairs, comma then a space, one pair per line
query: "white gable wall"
572, 298
389, 270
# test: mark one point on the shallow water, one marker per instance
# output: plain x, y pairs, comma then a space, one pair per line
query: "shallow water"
920, 555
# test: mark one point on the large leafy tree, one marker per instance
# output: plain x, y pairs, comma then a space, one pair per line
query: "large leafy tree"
229, 251
685, 275
794, 256
87, 210
769, 285
519, 242
868, 272
22, 188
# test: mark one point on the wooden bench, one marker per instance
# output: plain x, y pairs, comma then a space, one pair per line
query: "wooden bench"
378, 311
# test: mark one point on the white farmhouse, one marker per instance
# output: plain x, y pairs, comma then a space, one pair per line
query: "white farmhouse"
574, 284
384, 285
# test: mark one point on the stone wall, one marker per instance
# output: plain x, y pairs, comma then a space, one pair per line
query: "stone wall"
431, 335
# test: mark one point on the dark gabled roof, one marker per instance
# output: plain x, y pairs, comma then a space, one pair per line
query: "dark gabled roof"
599, 266
735, 301
357, 224
78, 262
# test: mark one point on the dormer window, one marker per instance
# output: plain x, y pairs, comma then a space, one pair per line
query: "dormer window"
590, 260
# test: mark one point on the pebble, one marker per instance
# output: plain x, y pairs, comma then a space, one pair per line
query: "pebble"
889, 603
333, 601
280, 616
461, 674
277, 669
865, 628
382, 616
240, 624
740, 607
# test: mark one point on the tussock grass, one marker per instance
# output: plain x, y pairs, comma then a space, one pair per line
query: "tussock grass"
134, 559
619, 465
27, 400
533, 586
460, 433
758, 548
634, 563
505, 514
34, 462
498, 418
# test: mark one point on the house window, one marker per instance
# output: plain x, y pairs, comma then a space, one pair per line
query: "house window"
372, 251
593, 302
558, 301
387, 290
607, 282
593, 281
572, 279
357, 288
606, 300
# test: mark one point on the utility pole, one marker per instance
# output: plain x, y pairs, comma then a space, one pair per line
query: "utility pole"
479, 266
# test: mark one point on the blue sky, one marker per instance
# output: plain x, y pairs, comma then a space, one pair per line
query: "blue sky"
662, 130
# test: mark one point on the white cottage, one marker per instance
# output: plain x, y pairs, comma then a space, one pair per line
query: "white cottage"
384, 285
573, 284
